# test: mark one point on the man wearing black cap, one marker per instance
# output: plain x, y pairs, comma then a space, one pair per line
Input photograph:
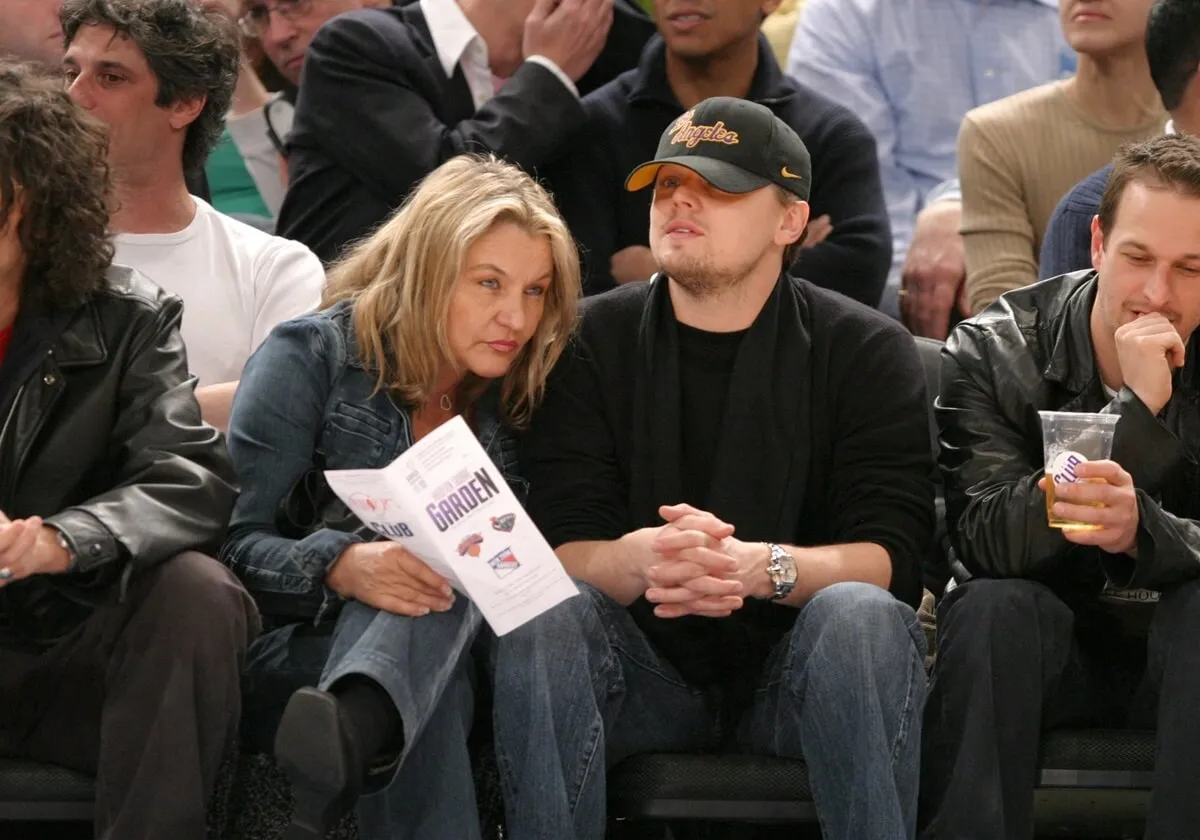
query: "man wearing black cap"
735, 466
708, 48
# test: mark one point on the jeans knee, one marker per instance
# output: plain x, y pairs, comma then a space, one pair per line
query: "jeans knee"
553, 649
860, 622
564, 621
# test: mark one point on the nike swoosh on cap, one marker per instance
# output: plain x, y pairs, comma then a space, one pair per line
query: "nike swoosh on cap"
786, 174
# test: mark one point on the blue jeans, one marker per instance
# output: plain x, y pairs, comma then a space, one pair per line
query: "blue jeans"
426, 667
580, 688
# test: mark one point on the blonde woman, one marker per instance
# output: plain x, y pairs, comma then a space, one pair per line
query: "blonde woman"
459, 304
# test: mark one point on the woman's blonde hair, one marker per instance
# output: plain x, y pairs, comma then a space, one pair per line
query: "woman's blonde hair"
401, 280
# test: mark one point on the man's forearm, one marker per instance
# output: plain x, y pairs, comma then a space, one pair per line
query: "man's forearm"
606, 565
216, 401
823, 566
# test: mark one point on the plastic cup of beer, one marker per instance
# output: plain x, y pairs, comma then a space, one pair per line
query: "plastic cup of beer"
1069, 439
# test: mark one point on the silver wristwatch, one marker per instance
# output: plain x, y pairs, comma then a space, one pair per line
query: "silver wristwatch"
65, 545
782, 571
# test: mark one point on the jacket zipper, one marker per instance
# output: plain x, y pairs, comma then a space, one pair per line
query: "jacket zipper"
12, 409
4, 482
18, 459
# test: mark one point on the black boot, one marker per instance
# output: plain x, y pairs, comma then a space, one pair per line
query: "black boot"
325, 742
321, 759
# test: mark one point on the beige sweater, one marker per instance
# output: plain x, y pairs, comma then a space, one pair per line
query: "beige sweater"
1017, 157
779, 26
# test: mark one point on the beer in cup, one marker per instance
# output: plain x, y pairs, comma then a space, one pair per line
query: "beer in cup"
1069, 439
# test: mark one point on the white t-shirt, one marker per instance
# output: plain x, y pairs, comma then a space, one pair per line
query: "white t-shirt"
236, 283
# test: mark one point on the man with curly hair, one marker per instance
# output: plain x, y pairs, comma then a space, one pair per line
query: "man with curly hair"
161, 73
121, 643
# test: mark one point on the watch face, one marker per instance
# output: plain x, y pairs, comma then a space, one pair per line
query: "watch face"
783, 572
789, 571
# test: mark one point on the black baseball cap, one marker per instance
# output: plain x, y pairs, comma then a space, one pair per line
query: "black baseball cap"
736, 145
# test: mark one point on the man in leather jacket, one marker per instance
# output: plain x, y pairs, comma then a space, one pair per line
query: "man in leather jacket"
1088, 628
120, 645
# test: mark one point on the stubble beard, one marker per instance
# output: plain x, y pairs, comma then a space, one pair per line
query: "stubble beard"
701, 279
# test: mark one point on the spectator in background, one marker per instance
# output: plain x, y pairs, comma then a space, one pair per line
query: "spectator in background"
911, 71
1019, 155
390, 94
1173, 52
1052, 629
161, 73
30, 31
121, 644
27, 32
285, 28
717, 50
246, 169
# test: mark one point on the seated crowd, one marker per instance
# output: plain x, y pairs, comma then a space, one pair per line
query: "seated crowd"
673, 290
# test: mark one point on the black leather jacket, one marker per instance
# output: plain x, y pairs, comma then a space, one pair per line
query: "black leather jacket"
1033, 351
100, 434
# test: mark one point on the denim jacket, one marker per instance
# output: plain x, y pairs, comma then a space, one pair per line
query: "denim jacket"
305, 405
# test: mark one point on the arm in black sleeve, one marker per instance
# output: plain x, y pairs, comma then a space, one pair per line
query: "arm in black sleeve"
361, 100
1168, 544
576, 491
857, 255
583, 181
991, 464
881, 491
176, 485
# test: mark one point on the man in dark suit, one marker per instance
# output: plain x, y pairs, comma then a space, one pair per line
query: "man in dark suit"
387, 95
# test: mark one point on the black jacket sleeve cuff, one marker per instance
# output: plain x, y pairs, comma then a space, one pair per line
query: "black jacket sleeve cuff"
94, 544
1142, 445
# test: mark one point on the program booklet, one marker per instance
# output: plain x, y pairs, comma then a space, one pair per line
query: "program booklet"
446, 502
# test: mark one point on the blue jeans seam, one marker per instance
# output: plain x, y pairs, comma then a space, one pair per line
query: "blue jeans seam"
581, 778
916, 670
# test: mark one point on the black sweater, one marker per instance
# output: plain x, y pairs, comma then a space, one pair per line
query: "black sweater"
866, 429
626, 117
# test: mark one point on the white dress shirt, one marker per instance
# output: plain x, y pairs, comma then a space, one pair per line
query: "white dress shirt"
457, 42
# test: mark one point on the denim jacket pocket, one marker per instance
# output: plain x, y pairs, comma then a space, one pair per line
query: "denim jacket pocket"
354, 437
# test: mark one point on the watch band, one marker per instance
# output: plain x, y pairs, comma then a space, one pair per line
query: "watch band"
782, 571
65, 545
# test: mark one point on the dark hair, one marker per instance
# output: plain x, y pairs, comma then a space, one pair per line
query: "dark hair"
1173, 47
192, 51
56, 156
1170, 162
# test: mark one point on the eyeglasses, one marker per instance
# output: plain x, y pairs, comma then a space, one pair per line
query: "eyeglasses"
257, 19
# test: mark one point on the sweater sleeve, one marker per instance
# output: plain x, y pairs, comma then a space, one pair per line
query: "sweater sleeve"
857, 255
998, 236
881, 490
585, 183
576, 489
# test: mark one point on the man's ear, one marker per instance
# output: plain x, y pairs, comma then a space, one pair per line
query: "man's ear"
185, 111
1097, 243
791, 226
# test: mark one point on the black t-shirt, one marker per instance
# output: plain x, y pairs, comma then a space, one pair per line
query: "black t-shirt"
865, 425
705, 366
